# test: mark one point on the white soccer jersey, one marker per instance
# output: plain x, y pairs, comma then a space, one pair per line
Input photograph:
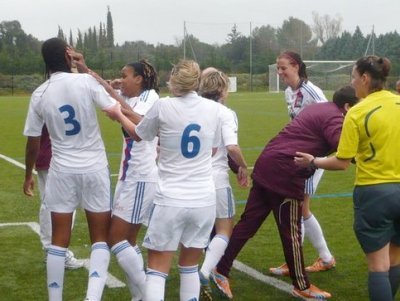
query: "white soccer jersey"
229, 129
298, 99
138, 161
66, 104
188, 128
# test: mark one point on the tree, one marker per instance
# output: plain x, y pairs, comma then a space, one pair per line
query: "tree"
19, 52
297, 36
71, 40
102, 36
358, 44
233, 35
110, 29
325, 27
265, 47
79, 41
60, 33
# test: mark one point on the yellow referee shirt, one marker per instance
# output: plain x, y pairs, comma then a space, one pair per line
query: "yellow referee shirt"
371, 135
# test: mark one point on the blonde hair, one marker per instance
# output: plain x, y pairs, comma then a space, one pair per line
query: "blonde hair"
184, 78
214, 84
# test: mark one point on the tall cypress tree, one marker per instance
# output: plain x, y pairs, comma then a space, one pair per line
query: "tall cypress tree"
71, 40
110, 29
60, 33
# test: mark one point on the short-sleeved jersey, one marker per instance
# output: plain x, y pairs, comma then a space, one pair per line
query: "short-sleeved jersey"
188, 128
66, 104
298, 99
316, 130
138, 161
371, 135
228, 136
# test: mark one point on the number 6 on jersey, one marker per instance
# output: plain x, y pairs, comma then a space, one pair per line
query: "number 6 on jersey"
190, 145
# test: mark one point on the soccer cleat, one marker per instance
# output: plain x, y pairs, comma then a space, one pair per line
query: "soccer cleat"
312, 292
319, 265
205, 288
282, 270
71, 262
222, 283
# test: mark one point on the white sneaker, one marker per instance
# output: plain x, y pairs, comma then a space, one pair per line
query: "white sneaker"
71, 262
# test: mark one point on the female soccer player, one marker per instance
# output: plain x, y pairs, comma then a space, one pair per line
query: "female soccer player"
214, 85
300, 93
78, 173
138, 175
371, 135
184, 205
278, 188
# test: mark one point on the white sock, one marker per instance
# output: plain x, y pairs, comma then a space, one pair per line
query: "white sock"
314, 233
132, 263
155, 285
55, 272
140, 257
99, 260
190, 283
215, 251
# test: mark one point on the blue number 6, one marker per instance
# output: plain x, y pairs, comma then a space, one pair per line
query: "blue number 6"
76, 127
192, 141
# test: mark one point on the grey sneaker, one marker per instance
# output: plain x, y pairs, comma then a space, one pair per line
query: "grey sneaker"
71, 262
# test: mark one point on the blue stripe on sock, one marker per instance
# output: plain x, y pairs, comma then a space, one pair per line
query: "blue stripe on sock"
151, 272
99, 246
188, 270
119, 248
57, 252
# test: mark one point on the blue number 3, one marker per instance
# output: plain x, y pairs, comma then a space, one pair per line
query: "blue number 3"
192, 141
76, 127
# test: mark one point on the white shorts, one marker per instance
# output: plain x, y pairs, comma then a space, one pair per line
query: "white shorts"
313, 181
66, 191
170, 226
133, 200
225, 203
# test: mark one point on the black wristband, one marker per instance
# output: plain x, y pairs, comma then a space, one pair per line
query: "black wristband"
312, 165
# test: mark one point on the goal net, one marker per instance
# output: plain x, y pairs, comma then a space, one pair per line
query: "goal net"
328, 75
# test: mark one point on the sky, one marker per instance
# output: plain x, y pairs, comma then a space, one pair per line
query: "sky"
162, 21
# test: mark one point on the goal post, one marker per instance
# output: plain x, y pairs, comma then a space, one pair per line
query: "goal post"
328, 75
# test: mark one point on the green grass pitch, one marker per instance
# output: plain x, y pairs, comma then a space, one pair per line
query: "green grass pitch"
261, 115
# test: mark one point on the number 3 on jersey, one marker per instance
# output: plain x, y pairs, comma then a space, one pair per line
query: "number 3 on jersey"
190, 144
70, 120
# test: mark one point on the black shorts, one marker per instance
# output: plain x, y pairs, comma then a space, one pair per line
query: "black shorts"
377, 215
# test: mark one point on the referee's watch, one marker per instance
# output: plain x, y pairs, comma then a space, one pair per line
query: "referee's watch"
312, 164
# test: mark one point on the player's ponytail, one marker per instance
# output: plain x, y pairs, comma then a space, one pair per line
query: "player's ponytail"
377, 68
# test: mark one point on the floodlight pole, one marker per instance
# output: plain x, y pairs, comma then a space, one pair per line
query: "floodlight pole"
13, 65
251, 61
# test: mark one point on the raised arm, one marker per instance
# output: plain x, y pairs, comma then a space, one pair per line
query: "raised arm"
115, 113
125, 108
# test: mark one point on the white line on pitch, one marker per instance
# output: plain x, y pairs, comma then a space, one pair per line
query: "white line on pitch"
112, 282
16, 163
281, 285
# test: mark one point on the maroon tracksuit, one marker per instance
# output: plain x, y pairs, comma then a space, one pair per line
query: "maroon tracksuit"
278, 185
